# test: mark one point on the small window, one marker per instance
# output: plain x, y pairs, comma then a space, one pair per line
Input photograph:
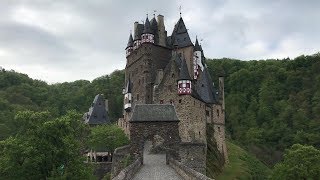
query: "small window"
202, 85
180, 100
218, 112
95, 116
207, 113
161, 101
171, 101
172, 75
219, 129
188, 85
137, 97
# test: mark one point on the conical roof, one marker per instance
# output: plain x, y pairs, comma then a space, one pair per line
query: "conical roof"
147, 28
180, 37
130, 41
197, 46
205, 88
97, 113
184, 73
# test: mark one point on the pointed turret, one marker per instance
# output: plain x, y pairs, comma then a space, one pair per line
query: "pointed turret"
197, 60
197, 46
147, 27
154, 30
130, 41
129, 47
184, 81
147, 36
180, 35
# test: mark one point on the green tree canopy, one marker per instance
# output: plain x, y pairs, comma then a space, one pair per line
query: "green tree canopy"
300, 162
44, 147
107, 138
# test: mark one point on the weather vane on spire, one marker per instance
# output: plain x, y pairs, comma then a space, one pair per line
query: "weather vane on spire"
147, 15
180, 9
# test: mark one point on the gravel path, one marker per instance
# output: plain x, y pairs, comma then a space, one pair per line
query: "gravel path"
154, 167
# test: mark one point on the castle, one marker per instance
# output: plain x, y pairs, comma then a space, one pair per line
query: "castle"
164, 69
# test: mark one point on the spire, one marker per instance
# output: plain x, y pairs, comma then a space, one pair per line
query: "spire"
184, 73
147, 28
197, 46
130, 41
180, 35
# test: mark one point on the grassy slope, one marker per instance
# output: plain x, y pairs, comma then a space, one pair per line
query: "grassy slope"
243, 165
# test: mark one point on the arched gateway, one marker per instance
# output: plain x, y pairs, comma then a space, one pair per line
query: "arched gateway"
154, 120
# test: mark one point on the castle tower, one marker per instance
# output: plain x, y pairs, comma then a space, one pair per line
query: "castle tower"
129, 47
197, 60
147, 35
184, 81
162, 31
165, 69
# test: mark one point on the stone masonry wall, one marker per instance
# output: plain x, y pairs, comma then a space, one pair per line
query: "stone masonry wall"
143, 131
192, 156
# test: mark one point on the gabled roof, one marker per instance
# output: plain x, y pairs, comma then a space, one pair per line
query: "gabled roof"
97, 112
154, 113
147, 27
205, 88
130, 41
180, 37
184, 73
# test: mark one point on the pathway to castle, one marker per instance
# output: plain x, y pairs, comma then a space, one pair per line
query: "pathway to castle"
154, 167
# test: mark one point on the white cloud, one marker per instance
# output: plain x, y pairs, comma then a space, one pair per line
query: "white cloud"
60, 41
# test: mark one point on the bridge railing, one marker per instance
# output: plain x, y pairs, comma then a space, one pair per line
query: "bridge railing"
186, 172
128, 172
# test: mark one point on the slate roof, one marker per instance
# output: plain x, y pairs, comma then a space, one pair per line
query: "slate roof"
130, 41
154, 25
184, 73
97, 112
147, 27
197, 46
154, 113
138, 31
205, 88
180, 37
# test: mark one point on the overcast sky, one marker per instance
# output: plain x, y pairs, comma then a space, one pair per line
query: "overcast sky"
67, 40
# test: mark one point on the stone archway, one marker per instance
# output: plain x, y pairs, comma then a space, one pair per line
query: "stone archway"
154, 120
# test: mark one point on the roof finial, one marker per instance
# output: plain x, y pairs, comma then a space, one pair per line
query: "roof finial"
180, 10
147, 15
154, 13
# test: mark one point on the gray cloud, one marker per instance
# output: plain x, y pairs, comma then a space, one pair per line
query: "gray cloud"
60, 41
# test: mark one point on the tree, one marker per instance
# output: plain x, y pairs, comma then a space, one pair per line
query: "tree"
107, 138
300, 162
45, 148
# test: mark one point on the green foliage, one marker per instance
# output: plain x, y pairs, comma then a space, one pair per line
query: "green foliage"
107, 138
271, 104
243, 165
300, 162
43, 147
18, 92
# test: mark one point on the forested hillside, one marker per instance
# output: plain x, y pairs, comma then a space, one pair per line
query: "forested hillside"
271, 104
19, 92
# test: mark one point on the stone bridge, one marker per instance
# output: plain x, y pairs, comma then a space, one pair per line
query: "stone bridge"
158, 167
